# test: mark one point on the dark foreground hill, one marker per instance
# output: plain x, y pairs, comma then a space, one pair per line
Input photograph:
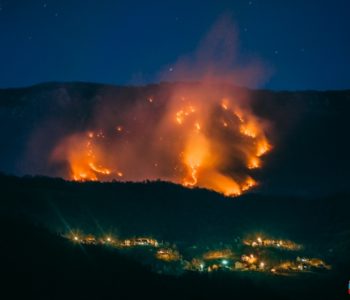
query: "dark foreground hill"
39, 264
36, 264
176, 214
172, 212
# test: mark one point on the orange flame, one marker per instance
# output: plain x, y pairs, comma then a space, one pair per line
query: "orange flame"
190, 144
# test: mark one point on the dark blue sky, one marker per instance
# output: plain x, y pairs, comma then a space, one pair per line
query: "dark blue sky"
305, 42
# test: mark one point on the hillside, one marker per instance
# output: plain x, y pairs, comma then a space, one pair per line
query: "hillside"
76, 239
45, 266
58, 267
307, 129
171, 212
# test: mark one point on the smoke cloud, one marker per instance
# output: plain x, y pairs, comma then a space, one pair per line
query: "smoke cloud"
201, 134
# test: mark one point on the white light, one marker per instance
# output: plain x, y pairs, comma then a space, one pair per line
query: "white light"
224, 262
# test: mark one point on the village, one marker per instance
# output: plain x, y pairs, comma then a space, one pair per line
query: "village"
264, 255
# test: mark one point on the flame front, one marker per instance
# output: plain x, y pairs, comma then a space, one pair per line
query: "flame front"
198, 137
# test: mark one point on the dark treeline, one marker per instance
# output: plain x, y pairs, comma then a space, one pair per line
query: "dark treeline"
157, 208
176, 214
38, 263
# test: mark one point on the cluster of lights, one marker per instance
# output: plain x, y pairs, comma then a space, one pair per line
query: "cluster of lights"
274, 243
90, 239
212, 260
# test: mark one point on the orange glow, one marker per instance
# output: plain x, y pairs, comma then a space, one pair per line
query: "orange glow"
248, 130
201, 139
263, 147
84, 156
254, 163
239, 116
250, 259
248, 184
99, 169
217, 254
273, 243
195, 154
199, 131
183, 113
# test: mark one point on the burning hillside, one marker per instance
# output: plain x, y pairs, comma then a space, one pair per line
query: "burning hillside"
201, 136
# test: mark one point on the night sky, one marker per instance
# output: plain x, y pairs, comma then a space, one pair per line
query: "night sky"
303, 44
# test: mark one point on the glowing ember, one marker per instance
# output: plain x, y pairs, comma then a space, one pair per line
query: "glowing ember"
263, 147
224, 104
248, 184
203, 139
248, 130
99, 169
253, 163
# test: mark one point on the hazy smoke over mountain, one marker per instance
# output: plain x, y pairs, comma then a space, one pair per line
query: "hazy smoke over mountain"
202, 134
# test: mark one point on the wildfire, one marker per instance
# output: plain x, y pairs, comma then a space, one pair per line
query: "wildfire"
248, 130
203, 139
224, 105
86, 157
196, 153
253, 163
262, 147
183, 113
100, 170
248, 184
